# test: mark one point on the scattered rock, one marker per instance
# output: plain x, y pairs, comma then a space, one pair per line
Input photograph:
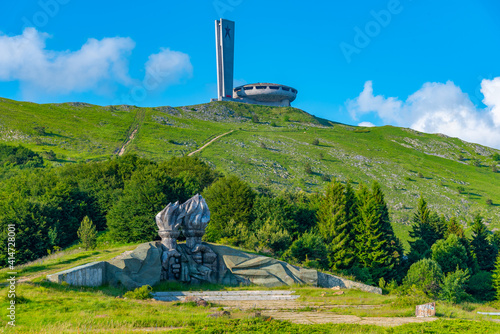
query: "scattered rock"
220, 314
199, 301
336, 288
339, 293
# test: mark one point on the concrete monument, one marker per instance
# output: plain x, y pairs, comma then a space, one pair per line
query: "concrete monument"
269, 94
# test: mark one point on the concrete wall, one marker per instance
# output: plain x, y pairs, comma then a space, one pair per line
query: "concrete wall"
91, 274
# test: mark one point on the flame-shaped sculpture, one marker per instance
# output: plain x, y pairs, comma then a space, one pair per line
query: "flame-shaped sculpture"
197, 216
169, 220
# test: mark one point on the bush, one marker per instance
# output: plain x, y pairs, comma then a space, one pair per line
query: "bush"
489, 202
308, 169
426, 275
461, 190
272, 238
228, 198
450, 254
308, 247
255, 119
315, 142
495, 156
480, 285
87, 233
326, 177
273, 124
144, 292
453, 287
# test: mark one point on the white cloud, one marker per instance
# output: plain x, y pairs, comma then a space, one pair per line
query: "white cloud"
98, 62
99, 66
366, 124
167, 68
438, 108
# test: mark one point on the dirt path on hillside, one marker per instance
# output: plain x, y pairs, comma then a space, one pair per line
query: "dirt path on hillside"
210, 142
130, 138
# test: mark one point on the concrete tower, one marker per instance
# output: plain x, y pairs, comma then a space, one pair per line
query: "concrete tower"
224, 37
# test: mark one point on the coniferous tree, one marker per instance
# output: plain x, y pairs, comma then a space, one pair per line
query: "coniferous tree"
427, 228
371, 245
455, 228
496, 277
393, 245
481, 247
335, 224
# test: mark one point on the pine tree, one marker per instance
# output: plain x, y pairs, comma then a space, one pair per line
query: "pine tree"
335, 220
496, 277
393, 246
427, 228
87, 233
455, 228
481, 247
371, 245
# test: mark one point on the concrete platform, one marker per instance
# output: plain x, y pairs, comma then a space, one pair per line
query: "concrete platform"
171, 296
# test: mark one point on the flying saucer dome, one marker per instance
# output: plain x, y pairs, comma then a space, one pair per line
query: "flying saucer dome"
266, 92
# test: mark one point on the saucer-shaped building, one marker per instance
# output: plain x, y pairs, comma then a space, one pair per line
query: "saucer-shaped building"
265, 93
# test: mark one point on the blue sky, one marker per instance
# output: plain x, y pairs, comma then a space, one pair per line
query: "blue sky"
430, 65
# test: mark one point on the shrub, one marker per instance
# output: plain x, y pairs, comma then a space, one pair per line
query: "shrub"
450, 254
425, 275
476, 162
308, 247
255, 119
461, 189
263, 145
144, 292
273, 124
495, 156
228, 198
489, 202
453, 287
326, 177
308, 169
286, 118
87, 233
494, 168
480, 285
420, 175
315, 142
273, 238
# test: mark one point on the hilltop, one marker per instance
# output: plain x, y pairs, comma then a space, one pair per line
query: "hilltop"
275, 147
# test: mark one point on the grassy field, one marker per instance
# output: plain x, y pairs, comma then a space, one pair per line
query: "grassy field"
44, 307
274, 148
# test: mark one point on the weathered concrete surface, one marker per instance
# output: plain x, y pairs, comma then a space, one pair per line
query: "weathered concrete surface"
327, 317
140, 267
227, 295
262, 270
90, 274
330, 281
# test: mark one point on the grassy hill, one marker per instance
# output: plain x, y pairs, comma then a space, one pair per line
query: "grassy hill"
271, 146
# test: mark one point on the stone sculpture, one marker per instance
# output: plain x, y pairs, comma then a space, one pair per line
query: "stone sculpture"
194, 260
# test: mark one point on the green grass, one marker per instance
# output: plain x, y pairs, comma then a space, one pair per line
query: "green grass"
396, 157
